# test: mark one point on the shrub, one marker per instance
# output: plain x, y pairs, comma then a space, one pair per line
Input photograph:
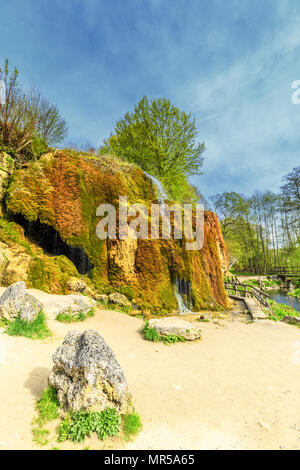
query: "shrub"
36, 329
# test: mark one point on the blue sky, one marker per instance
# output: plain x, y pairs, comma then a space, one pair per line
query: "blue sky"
229, 62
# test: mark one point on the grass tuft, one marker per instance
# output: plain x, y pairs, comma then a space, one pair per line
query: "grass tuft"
131, 425
47, 406
36, 329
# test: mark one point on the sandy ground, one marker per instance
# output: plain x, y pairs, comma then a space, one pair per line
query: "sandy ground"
237, 388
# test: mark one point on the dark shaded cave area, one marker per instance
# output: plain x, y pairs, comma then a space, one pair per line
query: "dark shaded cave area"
52, 243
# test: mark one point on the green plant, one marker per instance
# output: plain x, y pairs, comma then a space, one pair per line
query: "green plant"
131, 425
37, 329
40, 436
47, 406
82, 424
3, 322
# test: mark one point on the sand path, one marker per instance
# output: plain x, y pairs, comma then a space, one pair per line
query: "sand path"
238, 388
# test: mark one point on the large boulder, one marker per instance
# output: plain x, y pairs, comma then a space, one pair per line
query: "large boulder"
87, 375
176, 326
76, 304
119, 299
15, 302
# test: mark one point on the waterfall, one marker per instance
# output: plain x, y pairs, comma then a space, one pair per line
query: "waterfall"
161, 193
50, 240
183, 290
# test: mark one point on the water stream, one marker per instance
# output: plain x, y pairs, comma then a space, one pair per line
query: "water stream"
281, 297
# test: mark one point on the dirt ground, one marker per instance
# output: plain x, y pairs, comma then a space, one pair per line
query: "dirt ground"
237, 388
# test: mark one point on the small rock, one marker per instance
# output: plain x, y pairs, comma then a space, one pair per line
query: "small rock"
78, 304
15, 302
264, 425
76, 285
175, 326
117, 298
101, 298
87, 375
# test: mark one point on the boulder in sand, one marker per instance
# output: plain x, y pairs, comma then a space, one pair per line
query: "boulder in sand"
76, 304
176, 326
87, 375
120, 299
15, 302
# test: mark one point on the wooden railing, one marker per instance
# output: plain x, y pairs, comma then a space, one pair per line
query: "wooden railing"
287, 271
237, 289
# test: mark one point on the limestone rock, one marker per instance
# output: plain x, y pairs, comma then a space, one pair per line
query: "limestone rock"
175, 326
87, 375
291, 319
101, 298
77, 304
76, 285
15, 302
117, 298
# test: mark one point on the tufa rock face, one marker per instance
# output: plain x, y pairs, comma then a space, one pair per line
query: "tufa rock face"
87, 375
176, 326
15, 302
73, 186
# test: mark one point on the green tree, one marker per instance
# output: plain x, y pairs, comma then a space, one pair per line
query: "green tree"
161, 139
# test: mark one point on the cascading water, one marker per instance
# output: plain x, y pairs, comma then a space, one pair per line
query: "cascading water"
183, 289
50, 240
181, 286
162, 195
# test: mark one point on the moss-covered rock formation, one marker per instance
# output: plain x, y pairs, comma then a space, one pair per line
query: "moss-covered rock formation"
63, 190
